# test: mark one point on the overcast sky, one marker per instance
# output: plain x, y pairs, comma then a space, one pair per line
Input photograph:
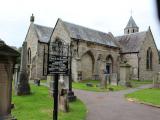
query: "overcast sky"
103, 15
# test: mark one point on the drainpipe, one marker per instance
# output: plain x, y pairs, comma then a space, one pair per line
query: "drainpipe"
138, 64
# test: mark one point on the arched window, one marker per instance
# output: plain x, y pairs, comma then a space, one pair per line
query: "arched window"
29, 56
149, 59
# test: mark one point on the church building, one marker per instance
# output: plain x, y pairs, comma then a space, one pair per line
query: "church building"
93, 52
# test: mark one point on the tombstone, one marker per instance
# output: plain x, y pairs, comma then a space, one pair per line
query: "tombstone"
89, 84
23, 87
103, 78
7, 61
15, 76
63, 97
156, 80
125, 74
113, 79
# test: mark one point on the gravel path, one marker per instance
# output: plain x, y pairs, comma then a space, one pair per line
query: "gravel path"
113, 106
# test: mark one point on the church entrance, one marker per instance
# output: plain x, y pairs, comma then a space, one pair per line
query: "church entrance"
109, 68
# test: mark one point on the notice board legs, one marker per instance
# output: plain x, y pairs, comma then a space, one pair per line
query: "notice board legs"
55, 94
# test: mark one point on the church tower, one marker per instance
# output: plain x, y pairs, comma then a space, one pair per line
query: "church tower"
131, 27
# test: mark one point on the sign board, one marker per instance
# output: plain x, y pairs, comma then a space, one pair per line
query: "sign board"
58, 58
57, 65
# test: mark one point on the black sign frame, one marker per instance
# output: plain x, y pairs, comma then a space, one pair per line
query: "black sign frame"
58, 59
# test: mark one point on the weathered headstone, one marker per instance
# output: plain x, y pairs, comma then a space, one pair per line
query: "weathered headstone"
7, 61
15, 76
63, 101
156, 80
23, 87
103, 79
113, 78
125, 74
63, 98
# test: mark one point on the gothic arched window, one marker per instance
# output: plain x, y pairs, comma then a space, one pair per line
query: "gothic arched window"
29, 56
149, 59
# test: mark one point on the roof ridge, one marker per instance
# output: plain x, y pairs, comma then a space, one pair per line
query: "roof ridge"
85, 27
131, 34
42, 26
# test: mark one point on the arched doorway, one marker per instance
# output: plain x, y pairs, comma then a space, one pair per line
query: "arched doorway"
87, 66
109, 64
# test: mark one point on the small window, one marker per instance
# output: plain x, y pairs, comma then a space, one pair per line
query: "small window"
149, 59
133, 30
29, 56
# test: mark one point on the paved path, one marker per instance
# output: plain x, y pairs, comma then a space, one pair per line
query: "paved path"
113, 106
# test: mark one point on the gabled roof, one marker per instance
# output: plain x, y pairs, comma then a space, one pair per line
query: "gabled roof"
83, 33
131, 23
43, 33
131, 42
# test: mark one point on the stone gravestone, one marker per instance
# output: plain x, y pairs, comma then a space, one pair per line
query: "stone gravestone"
23, 87
125, 74
156, 81
103, 78
7, 61
63, 98
113, 78
15, 76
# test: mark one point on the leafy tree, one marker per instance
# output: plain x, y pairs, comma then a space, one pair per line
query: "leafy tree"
18, 61
159, 55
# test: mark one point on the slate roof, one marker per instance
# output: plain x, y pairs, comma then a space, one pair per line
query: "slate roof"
77, 32
43, 33
131, 23
131, 42
83, 33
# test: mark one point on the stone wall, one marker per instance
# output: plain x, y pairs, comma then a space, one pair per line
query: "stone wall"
132, 59
37, 54
40, 64
86, 54
90, 58
32, 44
149, 42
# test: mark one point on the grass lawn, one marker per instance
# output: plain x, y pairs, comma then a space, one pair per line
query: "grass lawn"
137, 83
151, 96
82, 86
39, 106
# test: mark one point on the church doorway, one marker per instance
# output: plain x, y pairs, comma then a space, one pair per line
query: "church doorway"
109, 67
109, 64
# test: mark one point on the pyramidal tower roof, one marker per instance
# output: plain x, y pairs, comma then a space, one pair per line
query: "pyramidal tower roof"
131, 23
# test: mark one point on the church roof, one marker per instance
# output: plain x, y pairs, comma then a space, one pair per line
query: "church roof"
43, 33
87, 34
131, 42
131, 23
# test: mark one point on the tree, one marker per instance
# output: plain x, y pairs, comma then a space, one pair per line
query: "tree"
18, 61
159, 55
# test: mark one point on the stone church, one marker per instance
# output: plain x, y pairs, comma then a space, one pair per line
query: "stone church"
93, 52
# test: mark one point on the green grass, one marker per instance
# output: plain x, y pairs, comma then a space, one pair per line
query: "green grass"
137, 83
151, 96
39, 106
82, 85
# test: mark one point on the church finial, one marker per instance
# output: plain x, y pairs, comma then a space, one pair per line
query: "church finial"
32, 18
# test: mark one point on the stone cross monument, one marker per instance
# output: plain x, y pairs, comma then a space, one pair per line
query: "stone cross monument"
23, 87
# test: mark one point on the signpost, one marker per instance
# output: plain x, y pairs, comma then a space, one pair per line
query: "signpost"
58, 60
